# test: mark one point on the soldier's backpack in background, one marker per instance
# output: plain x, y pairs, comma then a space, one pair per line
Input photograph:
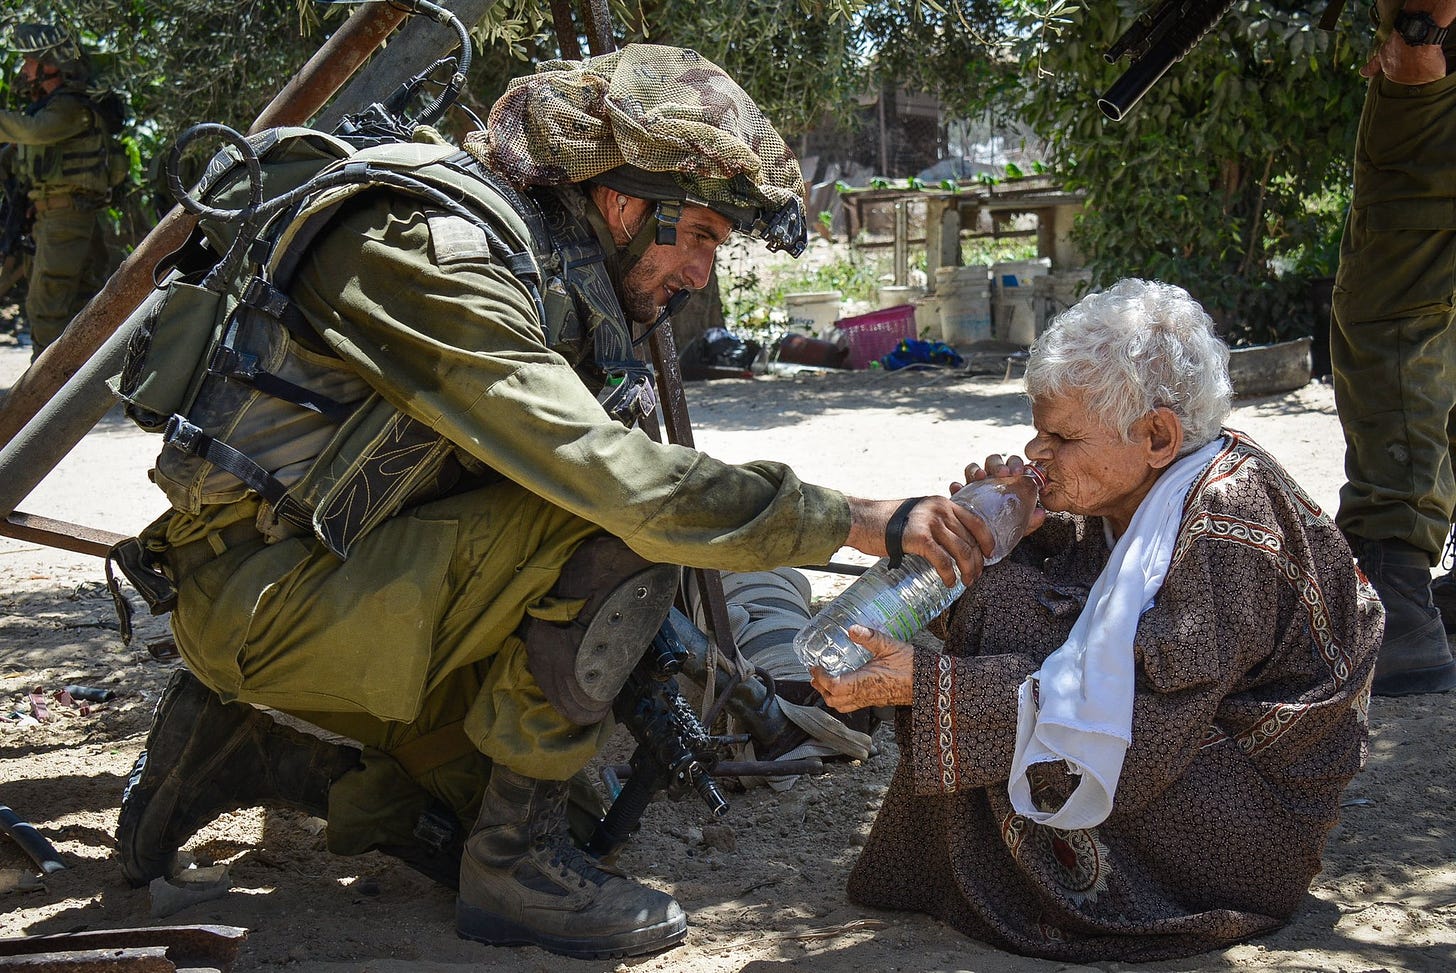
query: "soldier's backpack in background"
111, 108
214, 366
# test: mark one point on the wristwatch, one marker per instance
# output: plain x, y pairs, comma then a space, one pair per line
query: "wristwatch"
1418, 28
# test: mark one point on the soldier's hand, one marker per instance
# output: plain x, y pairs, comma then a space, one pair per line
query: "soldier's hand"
1404, 64
947, 535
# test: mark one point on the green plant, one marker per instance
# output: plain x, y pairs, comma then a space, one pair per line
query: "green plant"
984, 250
1209, 181
753, 286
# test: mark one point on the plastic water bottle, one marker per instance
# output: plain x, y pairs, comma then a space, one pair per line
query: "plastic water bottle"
901, 601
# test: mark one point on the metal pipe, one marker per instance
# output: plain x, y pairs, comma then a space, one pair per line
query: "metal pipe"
63, 421
420, 44
319, 79
31, 841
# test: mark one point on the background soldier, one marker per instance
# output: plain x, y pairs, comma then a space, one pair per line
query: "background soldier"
67, 160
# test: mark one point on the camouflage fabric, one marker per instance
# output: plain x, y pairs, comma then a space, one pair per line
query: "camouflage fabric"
53, 45
659, 109
43, 39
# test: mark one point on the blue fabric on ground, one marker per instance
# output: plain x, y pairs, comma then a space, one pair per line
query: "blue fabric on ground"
912, 351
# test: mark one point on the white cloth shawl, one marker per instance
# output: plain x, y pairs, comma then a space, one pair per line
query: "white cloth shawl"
1086, 686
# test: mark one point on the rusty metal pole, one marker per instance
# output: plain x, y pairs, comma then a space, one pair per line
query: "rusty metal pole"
325, 72
598, 21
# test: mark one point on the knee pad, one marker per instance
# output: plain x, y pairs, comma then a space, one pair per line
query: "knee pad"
581, 666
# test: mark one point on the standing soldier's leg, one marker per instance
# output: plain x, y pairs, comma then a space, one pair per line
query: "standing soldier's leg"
1393, 348
68, 247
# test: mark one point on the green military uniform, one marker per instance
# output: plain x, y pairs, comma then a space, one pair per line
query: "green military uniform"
63, 157
1393, 340
416, 629
450, 547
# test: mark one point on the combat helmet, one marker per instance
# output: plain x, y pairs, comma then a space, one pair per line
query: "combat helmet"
656, 122
52, 45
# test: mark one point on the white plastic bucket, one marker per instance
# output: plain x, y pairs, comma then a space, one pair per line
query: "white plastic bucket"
892, 295
812, 313
1015, 304
964, 296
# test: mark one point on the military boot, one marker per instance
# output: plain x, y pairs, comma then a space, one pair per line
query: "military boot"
522, 882
1414, 655
203, 758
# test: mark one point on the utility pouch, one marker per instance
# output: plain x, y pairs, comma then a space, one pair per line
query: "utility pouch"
140, 567
166, 358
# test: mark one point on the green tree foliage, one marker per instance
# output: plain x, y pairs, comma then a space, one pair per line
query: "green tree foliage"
957, 51
1230, 176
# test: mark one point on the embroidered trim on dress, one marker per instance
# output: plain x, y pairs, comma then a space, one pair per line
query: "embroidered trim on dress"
945, 723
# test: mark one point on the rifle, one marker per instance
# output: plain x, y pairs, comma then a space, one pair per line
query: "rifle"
15, 239
1154, 43
674, 751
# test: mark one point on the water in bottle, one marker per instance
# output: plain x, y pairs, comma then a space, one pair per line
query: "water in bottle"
901, 601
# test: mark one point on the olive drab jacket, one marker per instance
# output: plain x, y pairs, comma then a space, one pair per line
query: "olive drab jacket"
62, 147
420, 319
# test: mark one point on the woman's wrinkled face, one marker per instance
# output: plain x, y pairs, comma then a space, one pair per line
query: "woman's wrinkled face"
1089, 469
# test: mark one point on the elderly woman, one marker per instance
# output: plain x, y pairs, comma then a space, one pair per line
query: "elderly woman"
1134, 743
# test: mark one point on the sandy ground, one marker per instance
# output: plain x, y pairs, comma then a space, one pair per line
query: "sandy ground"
772, 896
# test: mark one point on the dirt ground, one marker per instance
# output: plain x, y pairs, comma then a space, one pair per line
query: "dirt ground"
770, 896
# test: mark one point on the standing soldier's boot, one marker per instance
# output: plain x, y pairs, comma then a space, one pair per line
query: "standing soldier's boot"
522, 882
1414, 655
204, 758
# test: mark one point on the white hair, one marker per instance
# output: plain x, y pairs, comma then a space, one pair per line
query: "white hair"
1134, 347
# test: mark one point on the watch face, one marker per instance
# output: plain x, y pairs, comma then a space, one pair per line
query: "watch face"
1414, 28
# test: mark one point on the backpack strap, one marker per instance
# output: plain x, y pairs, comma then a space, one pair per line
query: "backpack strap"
183, 435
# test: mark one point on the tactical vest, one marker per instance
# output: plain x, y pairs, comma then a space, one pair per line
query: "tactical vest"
248, 398
85, 163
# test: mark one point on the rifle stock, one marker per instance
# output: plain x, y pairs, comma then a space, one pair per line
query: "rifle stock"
1154, 43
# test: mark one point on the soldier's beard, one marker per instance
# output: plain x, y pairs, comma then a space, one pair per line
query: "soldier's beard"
641, 288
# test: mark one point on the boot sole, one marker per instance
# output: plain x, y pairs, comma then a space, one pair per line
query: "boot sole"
493, 930
1412, 682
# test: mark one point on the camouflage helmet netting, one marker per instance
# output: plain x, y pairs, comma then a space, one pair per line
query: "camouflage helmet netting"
50, 44
662, 109
44, 39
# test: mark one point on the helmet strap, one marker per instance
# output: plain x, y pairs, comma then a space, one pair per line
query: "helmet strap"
669, 211
647, 234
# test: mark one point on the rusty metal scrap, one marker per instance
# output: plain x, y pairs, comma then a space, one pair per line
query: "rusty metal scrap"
163, 949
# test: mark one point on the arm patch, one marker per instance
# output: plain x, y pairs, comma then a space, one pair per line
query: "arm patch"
454, 239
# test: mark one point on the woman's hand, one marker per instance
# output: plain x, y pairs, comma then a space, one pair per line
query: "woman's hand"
995, 466
886, 680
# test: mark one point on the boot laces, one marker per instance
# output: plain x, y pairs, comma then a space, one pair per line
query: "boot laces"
549, 833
